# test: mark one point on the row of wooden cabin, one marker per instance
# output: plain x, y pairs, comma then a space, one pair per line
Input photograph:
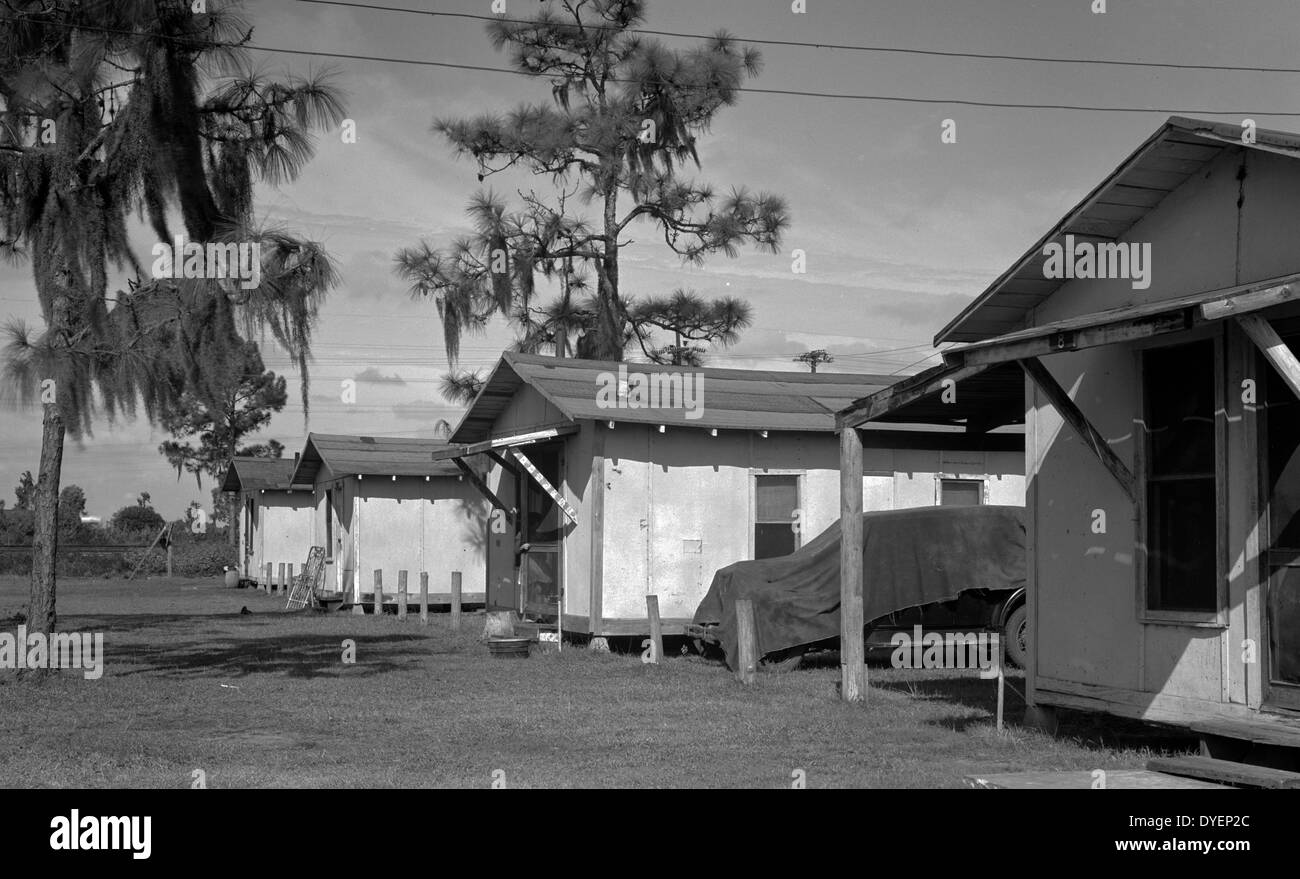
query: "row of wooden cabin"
373, 503
1158, 423
611, 503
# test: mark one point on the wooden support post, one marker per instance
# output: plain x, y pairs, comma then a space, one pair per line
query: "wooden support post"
270, 571
482, 486
424, 598
1074, 417
379, 592
747, 640
1002, 677
1251, 297
290, 581
401, 595
1277, 353
853, 660
281, 580
546, 486
169, 556
455, 601
656, 628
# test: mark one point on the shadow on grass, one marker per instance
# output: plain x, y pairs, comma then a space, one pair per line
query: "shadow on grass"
296, 656
1085, 729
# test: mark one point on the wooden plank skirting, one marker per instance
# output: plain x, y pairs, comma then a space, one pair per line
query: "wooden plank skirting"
1153, 707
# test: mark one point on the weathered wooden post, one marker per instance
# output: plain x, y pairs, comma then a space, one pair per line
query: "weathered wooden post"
455, 601
266, 581
401, 595
169, 555
747, 661
424, 598
281, 580
379, 592
1002, 676
853, 660
290, 580
656, 628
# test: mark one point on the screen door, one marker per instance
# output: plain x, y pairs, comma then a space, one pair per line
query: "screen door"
1282, 490
544, 523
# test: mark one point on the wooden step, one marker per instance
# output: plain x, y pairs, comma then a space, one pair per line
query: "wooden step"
1275, 733
1226, 772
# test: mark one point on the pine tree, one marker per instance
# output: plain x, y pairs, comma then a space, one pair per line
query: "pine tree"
622, 126
207, 436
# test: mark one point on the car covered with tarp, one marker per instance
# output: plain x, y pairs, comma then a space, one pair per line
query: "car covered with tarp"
915, 563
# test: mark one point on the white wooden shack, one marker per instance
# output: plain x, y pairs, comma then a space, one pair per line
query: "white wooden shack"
275, 515
383, 503
1162, 431
601, 500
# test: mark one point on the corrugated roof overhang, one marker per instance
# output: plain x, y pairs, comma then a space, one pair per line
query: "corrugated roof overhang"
347, 455
260, 474
974, 399
728, 399
1126, 324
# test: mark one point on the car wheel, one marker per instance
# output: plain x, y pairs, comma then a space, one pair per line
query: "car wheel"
1015, 635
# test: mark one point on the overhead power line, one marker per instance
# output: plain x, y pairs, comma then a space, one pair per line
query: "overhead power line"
759, 41
835, 96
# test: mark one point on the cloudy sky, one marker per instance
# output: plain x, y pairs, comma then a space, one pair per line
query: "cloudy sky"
900, 229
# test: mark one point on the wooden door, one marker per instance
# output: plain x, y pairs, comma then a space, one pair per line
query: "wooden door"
544, 523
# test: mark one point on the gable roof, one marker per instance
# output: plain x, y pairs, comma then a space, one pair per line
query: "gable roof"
1165, 161
736, 399
370, 456
258, 474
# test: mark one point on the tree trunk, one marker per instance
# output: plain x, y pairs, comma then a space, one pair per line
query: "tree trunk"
610, 324
232, 518
45, 543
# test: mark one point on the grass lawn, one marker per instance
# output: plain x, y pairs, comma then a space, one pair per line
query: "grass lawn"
265, 700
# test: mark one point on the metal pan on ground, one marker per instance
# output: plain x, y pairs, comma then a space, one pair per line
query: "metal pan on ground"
509, 648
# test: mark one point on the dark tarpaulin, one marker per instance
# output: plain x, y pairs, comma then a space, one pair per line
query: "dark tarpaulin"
909, 558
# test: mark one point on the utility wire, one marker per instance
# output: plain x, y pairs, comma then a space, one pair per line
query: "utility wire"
836, 96
915, 363
981, 56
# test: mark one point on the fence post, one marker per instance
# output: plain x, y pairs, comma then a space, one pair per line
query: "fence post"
401, 595
289, 585
455, 601
656, 628
379, 592
747, 662
853, 660
169, 555
280, 582
424, 598
1002, 677
266, 582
